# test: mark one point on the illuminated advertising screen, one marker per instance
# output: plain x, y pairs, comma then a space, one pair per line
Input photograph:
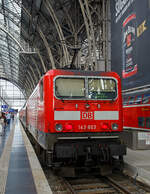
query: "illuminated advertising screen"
130, 46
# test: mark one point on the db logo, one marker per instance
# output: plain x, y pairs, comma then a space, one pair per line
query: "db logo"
87, 115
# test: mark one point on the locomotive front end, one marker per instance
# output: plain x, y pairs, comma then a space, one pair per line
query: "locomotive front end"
87, 104
87, 120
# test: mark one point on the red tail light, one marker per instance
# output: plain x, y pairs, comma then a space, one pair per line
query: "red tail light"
104, 126
68, 127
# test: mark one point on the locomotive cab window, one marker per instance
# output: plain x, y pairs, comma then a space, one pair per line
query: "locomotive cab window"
86, 88
102, 88
70, 87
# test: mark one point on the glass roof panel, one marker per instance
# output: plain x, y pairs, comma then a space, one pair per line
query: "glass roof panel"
11, 95
10, 16
10, 33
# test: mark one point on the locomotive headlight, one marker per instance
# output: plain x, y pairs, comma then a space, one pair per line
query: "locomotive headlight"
114, 126
58, 127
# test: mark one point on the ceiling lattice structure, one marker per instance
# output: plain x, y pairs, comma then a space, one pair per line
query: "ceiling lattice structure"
10, 16
38, 35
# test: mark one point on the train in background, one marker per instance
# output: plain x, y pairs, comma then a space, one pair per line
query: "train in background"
136, 110
75, 118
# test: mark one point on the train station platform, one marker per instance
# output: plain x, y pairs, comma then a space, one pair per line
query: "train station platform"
20, 170
137, 165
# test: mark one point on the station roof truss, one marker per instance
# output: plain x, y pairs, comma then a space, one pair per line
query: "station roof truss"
39, 35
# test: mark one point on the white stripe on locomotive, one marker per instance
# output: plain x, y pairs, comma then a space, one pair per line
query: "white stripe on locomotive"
75, 115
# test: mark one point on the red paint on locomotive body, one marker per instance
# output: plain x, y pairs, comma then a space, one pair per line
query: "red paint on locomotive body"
45, 112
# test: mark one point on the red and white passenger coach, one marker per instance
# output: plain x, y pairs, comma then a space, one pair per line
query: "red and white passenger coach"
136, 111
76, 117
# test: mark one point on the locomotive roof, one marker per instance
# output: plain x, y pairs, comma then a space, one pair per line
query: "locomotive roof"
55, 72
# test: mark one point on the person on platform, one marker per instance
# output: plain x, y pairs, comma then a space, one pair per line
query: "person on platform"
2, 124
5, 120
12, 116
8, 117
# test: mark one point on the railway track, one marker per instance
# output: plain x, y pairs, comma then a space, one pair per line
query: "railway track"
113, 184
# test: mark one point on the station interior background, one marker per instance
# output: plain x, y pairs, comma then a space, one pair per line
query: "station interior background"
10, 95
37, 36
22, 62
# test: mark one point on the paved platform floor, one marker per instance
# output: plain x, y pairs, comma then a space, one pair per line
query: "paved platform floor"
137, 164
20, 170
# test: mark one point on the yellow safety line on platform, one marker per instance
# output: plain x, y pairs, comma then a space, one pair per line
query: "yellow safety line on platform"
40, 180
4, 161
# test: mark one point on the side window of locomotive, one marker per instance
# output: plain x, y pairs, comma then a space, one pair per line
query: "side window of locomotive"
66, 87
148, 122
138, 100
102, 88
131, 100
141, 121
146, 98
41, 91
125, 100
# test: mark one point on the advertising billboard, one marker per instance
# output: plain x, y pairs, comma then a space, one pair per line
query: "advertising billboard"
130, 46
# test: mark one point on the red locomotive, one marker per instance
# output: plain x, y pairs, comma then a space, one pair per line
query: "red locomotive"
76, 117
136, 111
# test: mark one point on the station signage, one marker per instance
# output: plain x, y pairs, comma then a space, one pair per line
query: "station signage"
4, 106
